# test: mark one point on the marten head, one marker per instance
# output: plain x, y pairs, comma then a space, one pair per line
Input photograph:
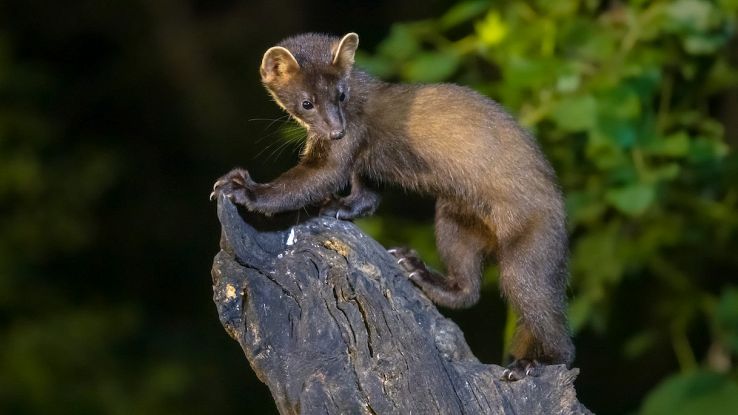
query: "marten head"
308, 76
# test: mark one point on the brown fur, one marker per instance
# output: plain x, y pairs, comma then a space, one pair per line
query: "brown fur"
496, 193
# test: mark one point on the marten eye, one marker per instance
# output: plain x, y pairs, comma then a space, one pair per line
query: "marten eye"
342, 97
307, 105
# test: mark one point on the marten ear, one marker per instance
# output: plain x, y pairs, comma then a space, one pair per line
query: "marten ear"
343, 54
278, 64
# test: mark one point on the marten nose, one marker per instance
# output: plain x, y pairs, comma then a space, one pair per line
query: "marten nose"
337, 134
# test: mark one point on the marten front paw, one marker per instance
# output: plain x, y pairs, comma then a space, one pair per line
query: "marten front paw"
238, 186
355, 205
339, 208
409, 261
332, 207
521, 368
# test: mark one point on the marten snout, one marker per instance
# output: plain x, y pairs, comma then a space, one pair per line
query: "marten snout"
337, 134
334, 121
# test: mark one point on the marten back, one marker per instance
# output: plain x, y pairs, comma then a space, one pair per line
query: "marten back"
450, 141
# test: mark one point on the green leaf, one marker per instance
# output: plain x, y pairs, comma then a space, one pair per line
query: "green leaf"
728, 5
632, 200
704, 149
618, 131
693, 393
598, 258
704, 44
463, 12
727, 317
568, 82
400, 44
522, 73
669, 171
583, 207
645, 80
639, 344
377, 65
576, 113
604, 152
621, 102
580, 311
691, 15
559, 8
431, 67
675, 145
592, 43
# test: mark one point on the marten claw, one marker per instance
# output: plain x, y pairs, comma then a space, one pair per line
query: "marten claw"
218, 183
216, 187
405, 264
415, 275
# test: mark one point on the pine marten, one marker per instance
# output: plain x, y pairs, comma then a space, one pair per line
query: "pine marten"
496, 193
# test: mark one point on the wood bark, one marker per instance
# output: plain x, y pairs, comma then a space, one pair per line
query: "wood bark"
330, 323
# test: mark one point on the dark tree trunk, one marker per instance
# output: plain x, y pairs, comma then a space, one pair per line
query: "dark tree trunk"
328, 321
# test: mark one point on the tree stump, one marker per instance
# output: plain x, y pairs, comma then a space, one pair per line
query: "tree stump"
330, 323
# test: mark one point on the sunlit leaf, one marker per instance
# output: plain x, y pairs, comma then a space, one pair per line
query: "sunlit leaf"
491, 30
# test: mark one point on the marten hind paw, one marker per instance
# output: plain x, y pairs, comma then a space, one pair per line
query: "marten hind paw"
521, 368
409, 261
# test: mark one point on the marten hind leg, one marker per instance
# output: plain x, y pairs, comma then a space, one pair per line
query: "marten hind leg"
533, 279
462, 242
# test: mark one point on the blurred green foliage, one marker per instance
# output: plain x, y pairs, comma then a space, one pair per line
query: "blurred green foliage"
623, 98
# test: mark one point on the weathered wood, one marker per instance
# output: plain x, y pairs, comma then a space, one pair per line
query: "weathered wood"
328, 321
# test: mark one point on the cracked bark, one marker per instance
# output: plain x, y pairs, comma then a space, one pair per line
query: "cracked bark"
328, 321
